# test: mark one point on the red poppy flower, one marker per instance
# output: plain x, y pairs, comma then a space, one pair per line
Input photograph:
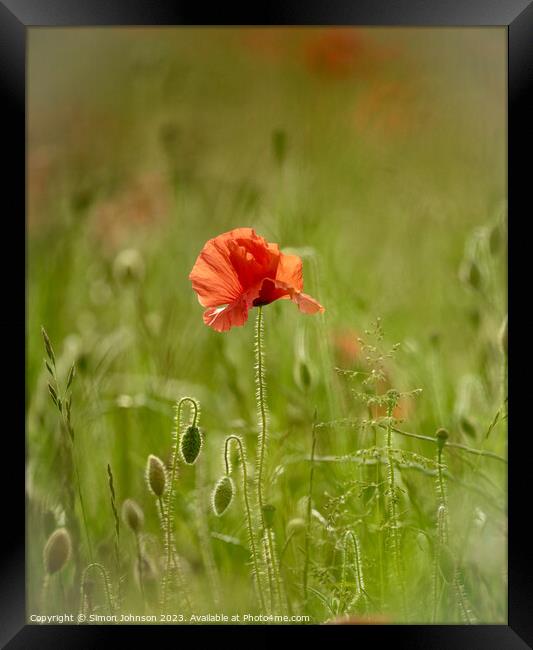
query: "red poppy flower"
239, 270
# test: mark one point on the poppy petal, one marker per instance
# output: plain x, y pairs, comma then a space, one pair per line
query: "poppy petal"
223, 318
306, 304
213, 277
290, 271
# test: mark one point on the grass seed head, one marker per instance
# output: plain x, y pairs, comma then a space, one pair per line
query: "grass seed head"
223, 495
191, 444
132, 515
57, 551
156, 476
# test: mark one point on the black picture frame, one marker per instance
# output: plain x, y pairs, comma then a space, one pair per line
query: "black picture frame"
16, 17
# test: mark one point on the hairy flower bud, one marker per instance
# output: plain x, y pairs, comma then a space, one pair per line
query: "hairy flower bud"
57, 551
156, 475
191, 444
132, 515
223, 495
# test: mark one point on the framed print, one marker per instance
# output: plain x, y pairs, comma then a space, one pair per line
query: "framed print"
265, 323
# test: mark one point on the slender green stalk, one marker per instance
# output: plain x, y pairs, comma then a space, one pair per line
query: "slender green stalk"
309, 513
140, 567
394, 523
251, 535
272, 569
169, 524
463, 604
206, 548
44, 593
116, 520
261, 408
380, 509
63, 401
275, 564
441, 542
62, 591
357, 570
417, 436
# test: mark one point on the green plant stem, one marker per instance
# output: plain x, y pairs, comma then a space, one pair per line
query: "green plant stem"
273, 571
140, 567
442, 527
249, 521
117, 532
309, 513
67, 427
261, 407
170, 499
417, 436
380, 507
455, 445
357, 568
393, 511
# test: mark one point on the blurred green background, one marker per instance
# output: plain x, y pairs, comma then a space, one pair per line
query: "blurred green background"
378, 154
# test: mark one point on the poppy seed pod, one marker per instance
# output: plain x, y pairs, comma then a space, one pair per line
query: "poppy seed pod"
57, 551
191, 444
132, 515
223, 495
156, 476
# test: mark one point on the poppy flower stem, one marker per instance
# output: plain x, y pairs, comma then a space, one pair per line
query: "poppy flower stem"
169, 523
251, 536
270, 557
261, 408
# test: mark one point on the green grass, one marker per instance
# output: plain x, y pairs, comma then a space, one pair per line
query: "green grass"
146, 140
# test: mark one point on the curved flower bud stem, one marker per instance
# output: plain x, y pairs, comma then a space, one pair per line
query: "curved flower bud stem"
249, 524
170, 495
105, 579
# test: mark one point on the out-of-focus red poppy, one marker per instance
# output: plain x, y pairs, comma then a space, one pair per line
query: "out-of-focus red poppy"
239, 270
346, 348
389, 108
341, 53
